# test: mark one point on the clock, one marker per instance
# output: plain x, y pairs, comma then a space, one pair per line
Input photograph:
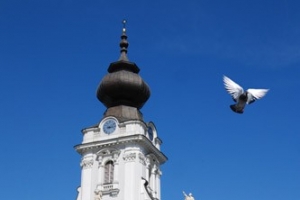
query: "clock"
109, 126
150, 133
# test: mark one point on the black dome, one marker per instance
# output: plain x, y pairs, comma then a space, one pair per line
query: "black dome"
123, 85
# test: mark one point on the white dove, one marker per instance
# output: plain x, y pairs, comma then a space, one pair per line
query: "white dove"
240, 96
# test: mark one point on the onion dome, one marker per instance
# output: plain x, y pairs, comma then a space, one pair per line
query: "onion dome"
123, 86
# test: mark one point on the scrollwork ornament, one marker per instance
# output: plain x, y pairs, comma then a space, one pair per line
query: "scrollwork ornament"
99, 159
115, 155
142, 159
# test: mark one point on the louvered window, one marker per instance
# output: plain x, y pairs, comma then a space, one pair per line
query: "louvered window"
109, 172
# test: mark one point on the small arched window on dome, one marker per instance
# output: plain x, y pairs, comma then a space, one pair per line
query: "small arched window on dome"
109, 172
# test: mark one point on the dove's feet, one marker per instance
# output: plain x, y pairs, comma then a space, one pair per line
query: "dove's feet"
235, 109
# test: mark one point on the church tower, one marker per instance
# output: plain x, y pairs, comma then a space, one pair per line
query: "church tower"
120, 156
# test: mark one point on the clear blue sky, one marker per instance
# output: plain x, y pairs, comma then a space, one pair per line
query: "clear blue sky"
54, 53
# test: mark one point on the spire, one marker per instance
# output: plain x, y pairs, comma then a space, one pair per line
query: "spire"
124, 43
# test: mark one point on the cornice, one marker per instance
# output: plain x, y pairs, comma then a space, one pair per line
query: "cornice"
140, 139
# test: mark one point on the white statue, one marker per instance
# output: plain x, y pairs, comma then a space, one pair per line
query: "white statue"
188, 197
98, 194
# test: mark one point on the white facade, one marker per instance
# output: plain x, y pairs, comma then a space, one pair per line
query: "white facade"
120, 161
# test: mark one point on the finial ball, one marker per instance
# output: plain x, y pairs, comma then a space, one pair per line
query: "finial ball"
124, 25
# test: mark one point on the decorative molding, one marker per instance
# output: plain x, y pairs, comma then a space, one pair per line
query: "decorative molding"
151, 160
154, 169
115, 155
86, 164
140, 139
129, 157
99, 159
142, 159
107, 154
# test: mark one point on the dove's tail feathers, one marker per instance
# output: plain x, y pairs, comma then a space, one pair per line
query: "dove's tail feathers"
236, 109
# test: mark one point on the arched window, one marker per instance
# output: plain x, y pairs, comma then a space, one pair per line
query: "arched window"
109, 172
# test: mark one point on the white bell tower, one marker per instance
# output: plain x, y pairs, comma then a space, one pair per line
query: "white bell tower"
121, 155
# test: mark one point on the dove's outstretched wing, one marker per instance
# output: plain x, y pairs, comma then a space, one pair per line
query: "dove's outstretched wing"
254, 94
234, 89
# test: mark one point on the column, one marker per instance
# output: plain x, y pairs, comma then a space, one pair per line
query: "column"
100, 171
86, 176
158, 191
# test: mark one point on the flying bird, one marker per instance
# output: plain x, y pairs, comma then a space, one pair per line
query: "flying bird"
240, 96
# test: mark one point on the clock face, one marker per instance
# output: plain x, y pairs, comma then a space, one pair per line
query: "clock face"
150, 133
109, 126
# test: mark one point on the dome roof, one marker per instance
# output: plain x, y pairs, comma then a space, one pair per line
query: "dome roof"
123, 85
